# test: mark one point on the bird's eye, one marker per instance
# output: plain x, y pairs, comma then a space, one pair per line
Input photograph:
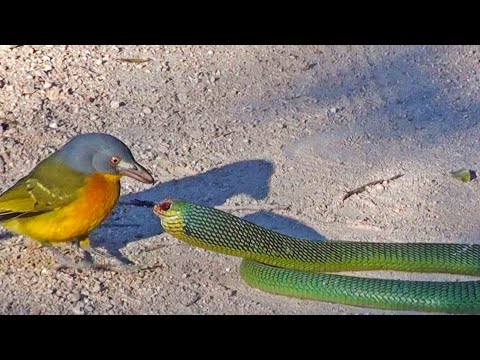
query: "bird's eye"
115, 160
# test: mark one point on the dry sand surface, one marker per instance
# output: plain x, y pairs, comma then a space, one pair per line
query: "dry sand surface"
288, 125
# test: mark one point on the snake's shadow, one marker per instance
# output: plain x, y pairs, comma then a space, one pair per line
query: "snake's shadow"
130, 223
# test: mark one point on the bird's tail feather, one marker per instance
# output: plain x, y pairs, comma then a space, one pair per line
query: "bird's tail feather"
15, 215
9, 216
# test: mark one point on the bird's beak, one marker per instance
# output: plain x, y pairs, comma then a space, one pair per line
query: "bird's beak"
137, 172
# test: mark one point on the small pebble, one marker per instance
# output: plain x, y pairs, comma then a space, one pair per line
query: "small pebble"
29, 90
74, 297
147, 110
29, 50
53, 125
78, 310
53, 93
115, 104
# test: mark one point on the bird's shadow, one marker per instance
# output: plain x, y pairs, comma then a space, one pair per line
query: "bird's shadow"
130, 223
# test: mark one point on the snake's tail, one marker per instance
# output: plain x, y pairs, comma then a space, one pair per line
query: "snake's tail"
449, 297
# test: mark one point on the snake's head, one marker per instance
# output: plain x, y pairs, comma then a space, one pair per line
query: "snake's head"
163, 208
170, 210
171, 213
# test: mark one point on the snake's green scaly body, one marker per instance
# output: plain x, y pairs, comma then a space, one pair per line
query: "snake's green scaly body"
289, 266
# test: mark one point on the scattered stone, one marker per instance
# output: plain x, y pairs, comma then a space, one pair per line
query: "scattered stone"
74, 297
29, 50
78, 310
97, 288
2, 165
53, 94
116, 104
47, 68
29, 89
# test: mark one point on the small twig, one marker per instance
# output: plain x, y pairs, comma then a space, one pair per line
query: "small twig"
90, 70
252, 208
364, 187
135, 61
120, 225
194, 301
136, 202
150, 204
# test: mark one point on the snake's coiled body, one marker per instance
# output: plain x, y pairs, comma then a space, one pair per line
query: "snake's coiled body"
289, 266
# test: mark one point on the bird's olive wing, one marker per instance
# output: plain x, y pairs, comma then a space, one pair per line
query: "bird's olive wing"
48, 187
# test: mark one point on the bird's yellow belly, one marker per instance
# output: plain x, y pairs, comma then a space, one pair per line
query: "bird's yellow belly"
77, 219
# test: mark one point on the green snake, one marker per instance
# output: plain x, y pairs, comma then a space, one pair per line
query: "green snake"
301, 268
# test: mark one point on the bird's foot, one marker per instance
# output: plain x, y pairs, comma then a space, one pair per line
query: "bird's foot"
120, 266
75, 266
65, 263
90, 252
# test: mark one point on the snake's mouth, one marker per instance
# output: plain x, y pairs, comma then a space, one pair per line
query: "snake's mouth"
162, 207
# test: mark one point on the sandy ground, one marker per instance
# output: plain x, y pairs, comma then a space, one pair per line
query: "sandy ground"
289, 125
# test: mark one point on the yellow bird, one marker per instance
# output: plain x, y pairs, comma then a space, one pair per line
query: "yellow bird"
71, 192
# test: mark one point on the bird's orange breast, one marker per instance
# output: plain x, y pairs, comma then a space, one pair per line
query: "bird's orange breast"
95, 202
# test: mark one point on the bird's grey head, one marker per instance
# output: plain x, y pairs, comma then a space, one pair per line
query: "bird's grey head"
102, 153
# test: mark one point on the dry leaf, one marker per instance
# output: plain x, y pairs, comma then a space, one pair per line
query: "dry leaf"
464, 175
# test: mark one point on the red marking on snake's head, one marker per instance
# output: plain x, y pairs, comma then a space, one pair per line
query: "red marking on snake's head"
163, 206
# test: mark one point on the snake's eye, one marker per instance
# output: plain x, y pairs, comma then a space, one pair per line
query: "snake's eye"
115, 160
